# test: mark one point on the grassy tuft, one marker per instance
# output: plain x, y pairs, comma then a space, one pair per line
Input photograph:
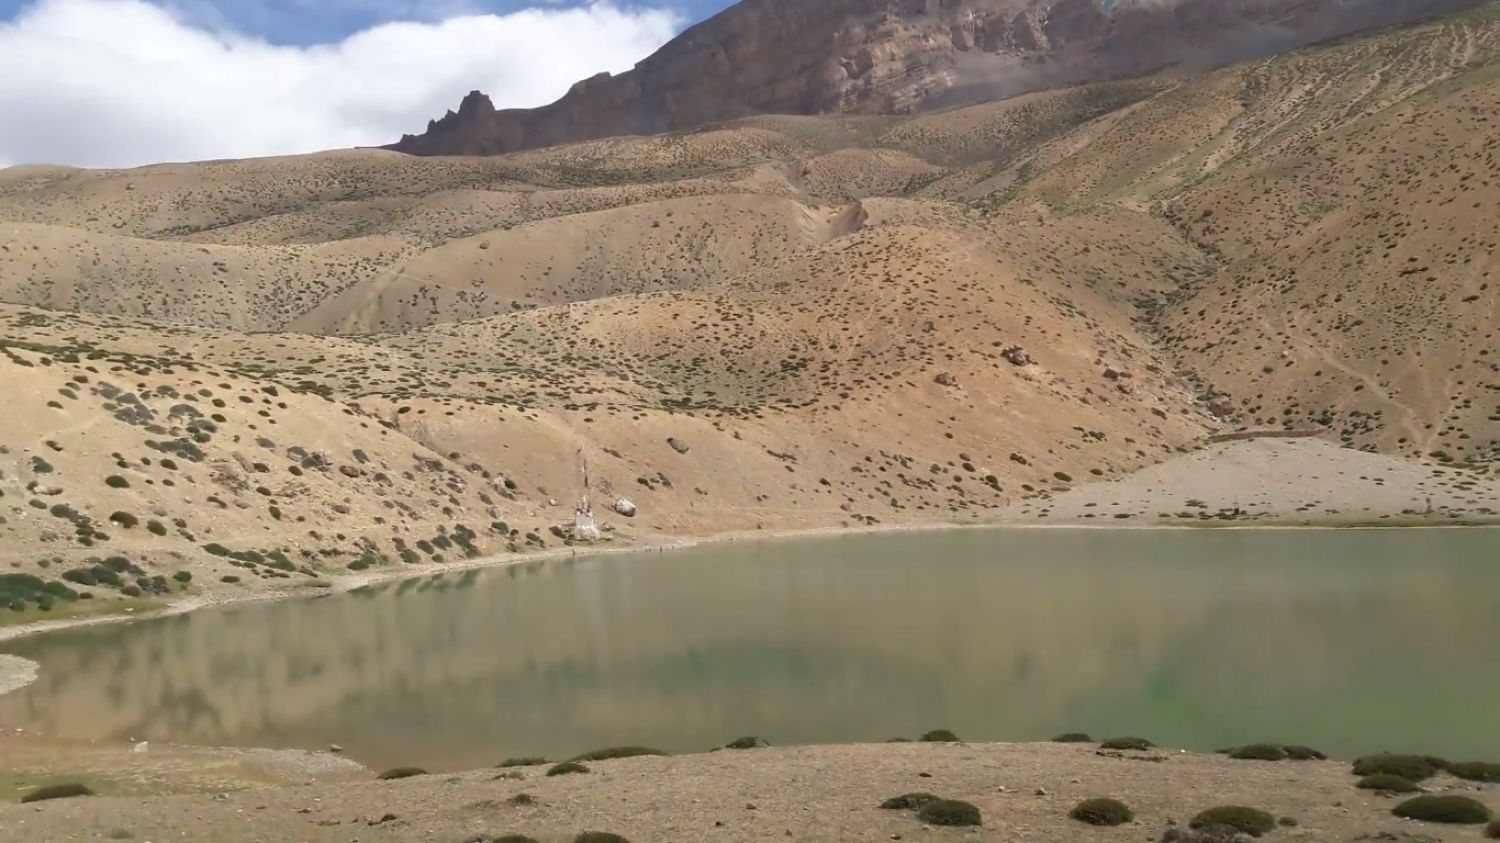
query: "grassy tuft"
567, 768
1447, 808
67, 790
1387, 783
1304, 753
1102, 812
617, 752
1127, 743
949, 812
1259, 752
522, 762
940, 736
1251, 821
599, 837
401, 773
909, 802
1476, 771
1413, 767
1073, 737
746, 743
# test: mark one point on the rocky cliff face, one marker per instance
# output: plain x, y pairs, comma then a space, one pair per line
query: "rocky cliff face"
894, 56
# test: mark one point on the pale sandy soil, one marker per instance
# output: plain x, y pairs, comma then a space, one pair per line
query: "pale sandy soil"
1280, 481
828, 793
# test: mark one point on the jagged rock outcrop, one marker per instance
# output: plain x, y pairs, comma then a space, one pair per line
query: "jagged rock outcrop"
893, 56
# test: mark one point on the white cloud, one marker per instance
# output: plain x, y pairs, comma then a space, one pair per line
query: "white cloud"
124, 82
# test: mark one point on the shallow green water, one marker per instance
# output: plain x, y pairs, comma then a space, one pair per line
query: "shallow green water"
1351, 641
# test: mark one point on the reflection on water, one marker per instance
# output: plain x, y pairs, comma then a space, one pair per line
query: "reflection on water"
1352, 641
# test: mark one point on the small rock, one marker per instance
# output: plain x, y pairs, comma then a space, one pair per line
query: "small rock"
333, 747
1041, 791
678, 445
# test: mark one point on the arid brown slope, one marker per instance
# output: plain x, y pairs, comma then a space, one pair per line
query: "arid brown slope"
780, 322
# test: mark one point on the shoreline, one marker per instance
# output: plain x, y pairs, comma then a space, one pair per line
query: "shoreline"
17, 672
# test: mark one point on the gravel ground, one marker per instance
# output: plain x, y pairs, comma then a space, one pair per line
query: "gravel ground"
824, 793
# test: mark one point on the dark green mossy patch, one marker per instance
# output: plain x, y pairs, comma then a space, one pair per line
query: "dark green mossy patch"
567, 768
1251, 821
599, 837
401, 773
617, 752
1297, 752
910, 802
1447, 808
1413, 767
66, 790
1387, 783
1102, 811
1073, 737
746, 743
1127, 743
522, 762
949, 812
940, 736
1259, 752
1476, 771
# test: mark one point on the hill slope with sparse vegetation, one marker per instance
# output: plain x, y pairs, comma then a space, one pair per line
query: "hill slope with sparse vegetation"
244, 375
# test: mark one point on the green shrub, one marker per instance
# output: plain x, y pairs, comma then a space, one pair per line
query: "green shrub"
1251, 821
82, 576
599, 837
58, 791
1387, 783
115, 481
1448, 808
1492, 831
1413, 767
940, 736
567, 768
909, 802
125, 519
1102, 812
401, 773
1304, 753
746, 743
131, 591
949, 812
1259, 752
522, 762
1073, 737
229, 578
1476, 771
1127, 743
617, 752
183, 576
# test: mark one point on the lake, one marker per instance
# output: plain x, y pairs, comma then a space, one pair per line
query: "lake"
1352, 641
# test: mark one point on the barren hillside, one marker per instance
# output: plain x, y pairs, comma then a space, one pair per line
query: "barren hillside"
275, 370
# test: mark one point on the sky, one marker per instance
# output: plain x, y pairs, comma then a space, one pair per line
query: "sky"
121, 83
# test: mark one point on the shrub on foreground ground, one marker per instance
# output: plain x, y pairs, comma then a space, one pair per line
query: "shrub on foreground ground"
599, 837
1412, 767
401, 773
950, 812
1476, 771
1259, 752
1387, 783
940, 736
1251, 821
67, 790
1102, 812
617, 752
1073, 737
1447, 808
1127, 743
567, 768
909, 802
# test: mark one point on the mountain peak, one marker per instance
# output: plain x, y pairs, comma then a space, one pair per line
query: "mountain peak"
896, 56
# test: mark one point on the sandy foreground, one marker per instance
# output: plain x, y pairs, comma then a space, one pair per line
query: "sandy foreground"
826, 793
